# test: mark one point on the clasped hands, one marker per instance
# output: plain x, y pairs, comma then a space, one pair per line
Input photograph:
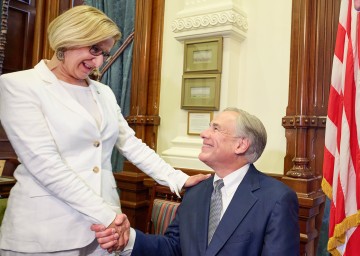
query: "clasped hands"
116, 236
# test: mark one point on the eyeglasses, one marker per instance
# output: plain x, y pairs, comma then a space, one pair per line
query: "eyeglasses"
97, 51
215, 128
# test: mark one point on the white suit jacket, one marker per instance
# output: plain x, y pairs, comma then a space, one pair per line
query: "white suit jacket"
65, 181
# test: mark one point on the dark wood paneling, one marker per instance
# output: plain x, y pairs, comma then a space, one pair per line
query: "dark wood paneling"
46, 11
67, 4
20, 36
314, 26
144, 112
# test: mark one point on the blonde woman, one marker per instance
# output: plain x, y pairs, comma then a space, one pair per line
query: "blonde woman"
63, 127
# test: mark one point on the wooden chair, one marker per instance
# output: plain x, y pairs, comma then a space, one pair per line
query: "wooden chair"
162, 209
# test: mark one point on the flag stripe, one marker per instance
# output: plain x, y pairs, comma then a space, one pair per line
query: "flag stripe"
340, 40
341, 152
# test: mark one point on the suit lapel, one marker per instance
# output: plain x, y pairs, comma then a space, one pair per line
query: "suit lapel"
239, 206
53, 86
203, 216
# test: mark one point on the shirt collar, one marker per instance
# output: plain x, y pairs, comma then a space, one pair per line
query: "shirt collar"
233, 180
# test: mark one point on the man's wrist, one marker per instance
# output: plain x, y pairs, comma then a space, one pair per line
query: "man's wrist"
130, 245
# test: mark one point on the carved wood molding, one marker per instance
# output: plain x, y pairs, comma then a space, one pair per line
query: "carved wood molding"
313, 33
144, 120
293, 122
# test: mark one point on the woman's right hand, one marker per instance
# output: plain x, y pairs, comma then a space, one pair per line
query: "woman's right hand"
116, 236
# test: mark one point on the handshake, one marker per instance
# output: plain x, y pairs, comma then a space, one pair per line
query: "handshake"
116, 236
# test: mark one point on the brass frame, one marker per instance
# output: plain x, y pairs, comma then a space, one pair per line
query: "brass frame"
201, 81
211, 48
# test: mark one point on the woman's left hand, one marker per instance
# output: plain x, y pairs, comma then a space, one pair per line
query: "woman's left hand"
195, 179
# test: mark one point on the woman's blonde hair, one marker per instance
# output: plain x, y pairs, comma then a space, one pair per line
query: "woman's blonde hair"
81, 26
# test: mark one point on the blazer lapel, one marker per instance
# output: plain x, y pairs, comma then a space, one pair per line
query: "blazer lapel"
54, 87
239, 206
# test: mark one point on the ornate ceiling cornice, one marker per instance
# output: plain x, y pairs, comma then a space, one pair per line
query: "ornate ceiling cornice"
226, 23
211, 20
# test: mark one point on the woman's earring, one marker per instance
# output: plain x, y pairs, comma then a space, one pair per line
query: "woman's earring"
60, 54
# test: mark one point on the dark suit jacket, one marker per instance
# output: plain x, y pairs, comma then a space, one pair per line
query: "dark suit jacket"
262, 219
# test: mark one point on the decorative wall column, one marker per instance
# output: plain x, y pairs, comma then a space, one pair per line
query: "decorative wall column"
200, 19
314, 24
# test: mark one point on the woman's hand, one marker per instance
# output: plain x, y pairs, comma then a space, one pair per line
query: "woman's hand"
116, 236
195, 179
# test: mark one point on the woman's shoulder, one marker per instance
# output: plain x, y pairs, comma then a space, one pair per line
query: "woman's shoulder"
18, 77
17, 74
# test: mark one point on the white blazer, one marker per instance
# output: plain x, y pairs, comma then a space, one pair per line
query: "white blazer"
65, 181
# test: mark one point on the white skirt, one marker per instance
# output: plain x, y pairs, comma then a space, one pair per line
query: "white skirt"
92, 249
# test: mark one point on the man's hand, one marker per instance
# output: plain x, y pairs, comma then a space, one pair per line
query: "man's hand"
116, 236
107, 238
195, 179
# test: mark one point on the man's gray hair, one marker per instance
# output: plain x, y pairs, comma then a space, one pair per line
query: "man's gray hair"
250, 127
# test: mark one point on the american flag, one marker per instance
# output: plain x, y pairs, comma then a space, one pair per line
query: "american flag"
341, 171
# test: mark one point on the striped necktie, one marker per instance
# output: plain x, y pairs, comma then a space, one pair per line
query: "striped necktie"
215, 208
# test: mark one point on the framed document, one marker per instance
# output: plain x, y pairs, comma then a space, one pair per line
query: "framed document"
198, 121
200, 92
203, 55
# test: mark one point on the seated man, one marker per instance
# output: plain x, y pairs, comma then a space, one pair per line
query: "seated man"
240, 211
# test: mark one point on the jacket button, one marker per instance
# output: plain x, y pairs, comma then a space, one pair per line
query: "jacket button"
96, 169
96, 144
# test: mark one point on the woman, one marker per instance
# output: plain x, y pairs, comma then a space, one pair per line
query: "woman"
63, 127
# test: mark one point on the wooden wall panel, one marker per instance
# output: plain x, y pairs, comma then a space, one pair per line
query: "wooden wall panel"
144, 109
314, 25
46, 11
20, 36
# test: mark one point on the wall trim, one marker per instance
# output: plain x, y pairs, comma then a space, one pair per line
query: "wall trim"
231, 22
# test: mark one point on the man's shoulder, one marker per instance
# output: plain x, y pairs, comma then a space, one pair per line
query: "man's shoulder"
272, 184
200, 186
